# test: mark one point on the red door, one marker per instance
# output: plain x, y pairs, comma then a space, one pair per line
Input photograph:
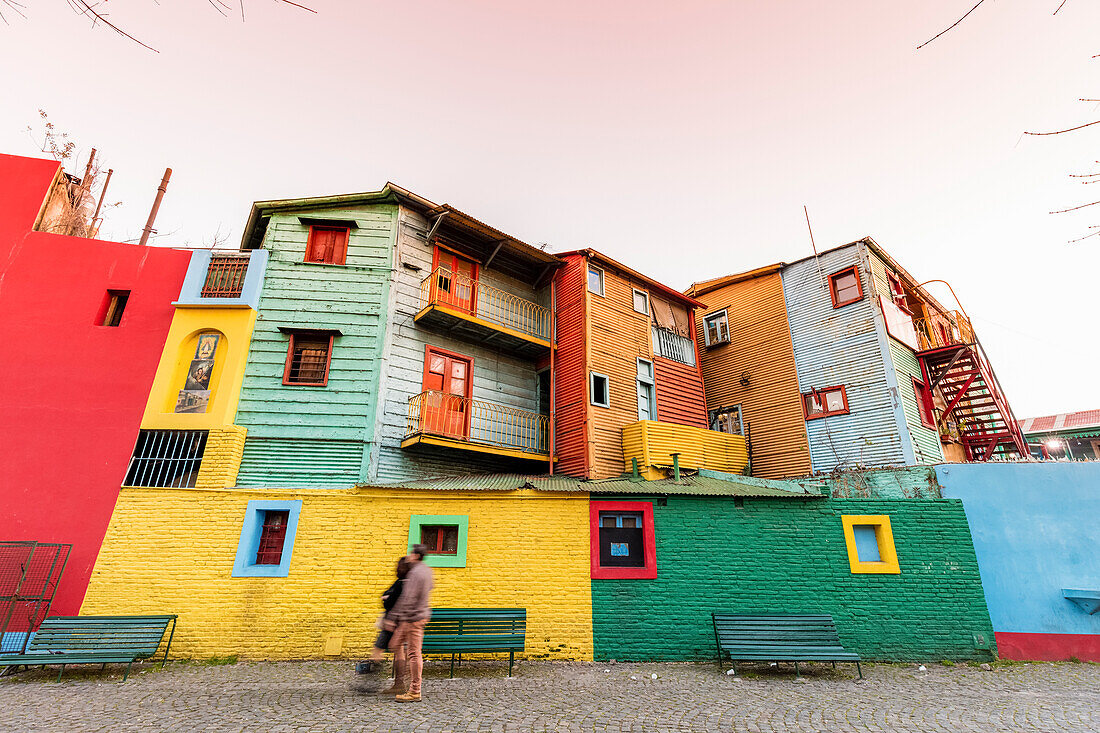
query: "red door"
456, 283
446, 407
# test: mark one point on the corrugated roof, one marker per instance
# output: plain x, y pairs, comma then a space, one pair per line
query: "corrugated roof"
1061, 421
705, 483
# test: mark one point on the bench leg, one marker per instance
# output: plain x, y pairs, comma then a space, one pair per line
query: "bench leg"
834, 665
102, 666
796, 673
452, 666
127, 670
511, 659
460, 659
859, 670
59, 672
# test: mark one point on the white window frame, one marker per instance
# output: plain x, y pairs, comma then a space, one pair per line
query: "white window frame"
603, 287
592, 389
644, 295
648, 380
706, 331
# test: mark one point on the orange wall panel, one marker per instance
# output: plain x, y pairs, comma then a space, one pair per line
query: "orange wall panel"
570, 370
761, 352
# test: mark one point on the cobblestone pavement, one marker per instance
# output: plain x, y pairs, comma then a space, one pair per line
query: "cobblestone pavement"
547, 696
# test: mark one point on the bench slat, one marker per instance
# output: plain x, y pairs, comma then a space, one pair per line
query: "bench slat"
779, 638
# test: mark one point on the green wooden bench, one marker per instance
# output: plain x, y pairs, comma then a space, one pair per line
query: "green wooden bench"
780, 638
69, 640
460, 630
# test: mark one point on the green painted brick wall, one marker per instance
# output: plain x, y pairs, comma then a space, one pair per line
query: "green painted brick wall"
789, 556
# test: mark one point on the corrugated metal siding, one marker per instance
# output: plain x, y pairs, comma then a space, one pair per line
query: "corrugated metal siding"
351, 298
653, 444
618, 337
679, 393
570, 371
926, 442
498, 376
760, 348
841, 346
281, 463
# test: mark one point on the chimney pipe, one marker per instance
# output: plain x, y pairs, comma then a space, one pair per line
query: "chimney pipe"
156, 207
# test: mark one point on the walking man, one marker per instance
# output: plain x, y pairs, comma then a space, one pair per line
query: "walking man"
411, 614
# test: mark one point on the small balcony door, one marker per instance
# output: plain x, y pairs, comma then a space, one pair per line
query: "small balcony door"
456, 282
446, 407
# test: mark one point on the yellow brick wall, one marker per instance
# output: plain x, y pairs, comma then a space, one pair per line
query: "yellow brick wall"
172, 551
222, 457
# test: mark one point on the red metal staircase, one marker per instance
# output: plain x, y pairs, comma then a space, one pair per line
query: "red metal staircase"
954, 363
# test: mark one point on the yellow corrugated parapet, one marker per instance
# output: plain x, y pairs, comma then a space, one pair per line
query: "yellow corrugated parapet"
653, 444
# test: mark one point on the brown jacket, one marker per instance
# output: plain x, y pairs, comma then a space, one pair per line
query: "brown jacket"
414, 604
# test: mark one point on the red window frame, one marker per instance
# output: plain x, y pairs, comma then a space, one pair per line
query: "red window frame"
272, 537
337, 254
924, 403
294, 336
854, 269
438, 547
649, 549
825, 412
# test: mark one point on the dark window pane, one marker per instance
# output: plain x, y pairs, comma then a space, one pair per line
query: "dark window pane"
621, 547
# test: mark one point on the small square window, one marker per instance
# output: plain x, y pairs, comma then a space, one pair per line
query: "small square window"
595, 280
440, 539
115, 305
599, 388
641, 301
308, 358
924, 403
327, 245
622, 540
716, 328
845, 287
444, 535
267, 539
870, 543
824, 402
727, 420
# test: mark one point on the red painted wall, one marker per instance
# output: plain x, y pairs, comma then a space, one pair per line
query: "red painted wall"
72, 392
1048, 647
680, 397
570, 379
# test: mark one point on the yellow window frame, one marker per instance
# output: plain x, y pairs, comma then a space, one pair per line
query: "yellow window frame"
883, 535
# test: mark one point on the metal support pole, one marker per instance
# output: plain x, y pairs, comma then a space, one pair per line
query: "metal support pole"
156, 207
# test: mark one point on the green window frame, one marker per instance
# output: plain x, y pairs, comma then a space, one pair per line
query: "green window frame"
462, 521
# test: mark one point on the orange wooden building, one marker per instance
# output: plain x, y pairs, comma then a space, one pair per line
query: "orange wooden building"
627, 383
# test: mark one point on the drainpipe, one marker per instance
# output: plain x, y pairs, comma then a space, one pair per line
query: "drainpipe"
553, 380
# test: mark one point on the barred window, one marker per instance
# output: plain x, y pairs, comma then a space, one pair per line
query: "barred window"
166, 458
307, 359
272, 537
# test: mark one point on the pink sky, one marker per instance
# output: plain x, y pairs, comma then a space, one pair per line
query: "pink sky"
683, 138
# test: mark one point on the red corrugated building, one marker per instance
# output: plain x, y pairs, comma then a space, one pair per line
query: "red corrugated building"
82, 323
627, 383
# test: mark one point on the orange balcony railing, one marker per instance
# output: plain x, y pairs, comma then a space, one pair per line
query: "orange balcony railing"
462, 293
225, 276
478, 422
942, 330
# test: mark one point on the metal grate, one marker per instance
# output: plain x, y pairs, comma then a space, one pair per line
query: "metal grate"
272, 537
29, 574
166, 458
672, 345
308, 361
225, 276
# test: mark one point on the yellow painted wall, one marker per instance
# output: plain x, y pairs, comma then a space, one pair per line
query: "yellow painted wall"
234, 324
172, 551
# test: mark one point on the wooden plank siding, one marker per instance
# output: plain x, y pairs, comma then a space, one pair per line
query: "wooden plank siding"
308, 436
571, 369
761, 350
926, 441
844, 346
497, 376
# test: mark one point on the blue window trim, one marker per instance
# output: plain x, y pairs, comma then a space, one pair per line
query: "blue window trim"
244, 566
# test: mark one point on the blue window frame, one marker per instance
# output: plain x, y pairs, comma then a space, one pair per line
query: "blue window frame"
245, 565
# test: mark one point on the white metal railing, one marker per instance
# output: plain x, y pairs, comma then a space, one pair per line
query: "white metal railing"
672, 345
478, 421
461, 292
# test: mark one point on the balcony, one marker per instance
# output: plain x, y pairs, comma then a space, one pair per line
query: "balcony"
653, 444
451, 421
225, 276
476, 311
941, 331
671, 345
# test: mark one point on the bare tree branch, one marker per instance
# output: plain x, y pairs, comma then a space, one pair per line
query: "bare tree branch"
1071, 129
960, 20
1075, 208
1059, 7
85, 8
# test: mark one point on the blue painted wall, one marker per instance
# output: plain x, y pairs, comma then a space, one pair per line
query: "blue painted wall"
1036, 530
847, 346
